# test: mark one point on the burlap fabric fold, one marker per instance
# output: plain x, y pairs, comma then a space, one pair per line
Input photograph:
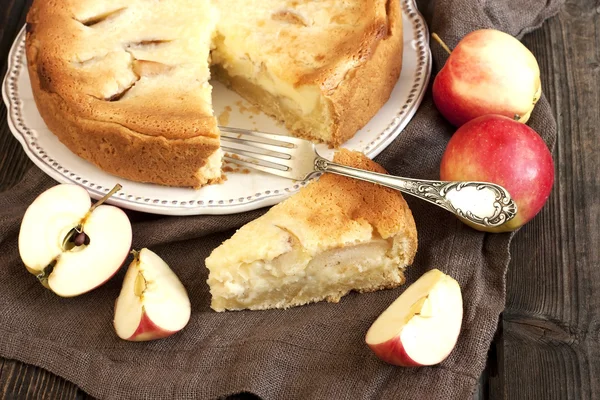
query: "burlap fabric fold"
315, 351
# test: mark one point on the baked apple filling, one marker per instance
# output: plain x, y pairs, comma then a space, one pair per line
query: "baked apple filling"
334, 236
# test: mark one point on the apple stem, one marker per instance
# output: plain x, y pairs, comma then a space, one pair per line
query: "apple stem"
441, 42
106, 197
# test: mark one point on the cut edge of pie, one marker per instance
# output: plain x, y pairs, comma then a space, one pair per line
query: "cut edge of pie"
334, 236
137, 102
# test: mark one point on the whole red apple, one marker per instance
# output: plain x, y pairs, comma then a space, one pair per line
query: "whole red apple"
497, 149
488, 72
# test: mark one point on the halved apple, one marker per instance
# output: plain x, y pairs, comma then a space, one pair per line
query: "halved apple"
71, 246
421, 326
153, 302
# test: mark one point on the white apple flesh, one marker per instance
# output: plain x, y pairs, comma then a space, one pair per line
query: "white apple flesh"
70, 270
153, 302
421, 327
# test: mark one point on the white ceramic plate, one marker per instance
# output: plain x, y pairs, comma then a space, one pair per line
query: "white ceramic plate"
241, 192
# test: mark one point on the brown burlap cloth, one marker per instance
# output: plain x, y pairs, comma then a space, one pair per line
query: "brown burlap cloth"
315, 351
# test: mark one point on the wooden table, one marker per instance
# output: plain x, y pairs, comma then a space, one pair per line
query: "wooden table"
548, 340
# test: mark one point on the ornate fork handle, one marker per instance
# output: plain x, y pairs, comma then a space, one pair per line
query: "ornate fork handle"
481, 203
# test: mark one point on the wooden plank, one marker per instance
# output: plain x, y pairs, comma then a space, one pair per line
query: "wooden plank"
550, 345
13, 161
21, 381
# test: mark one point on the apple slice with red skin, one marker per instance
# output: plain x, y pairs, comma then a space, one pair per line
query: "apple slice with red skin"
421, 326
153, 303
71, 245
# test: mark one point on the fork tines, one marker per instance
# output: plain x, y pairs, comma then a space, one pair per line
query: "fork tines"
258, 150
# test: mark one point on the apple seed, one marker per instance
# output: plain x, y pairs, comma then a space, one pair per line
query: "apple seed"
81, 239
75, 238
69, 240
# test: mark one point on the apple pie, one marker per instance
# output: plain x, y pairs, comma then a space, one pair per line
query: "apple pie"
125, 85
335, 235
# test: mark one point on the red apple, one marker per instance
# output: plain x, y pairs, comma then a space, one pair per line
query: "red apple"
421, 326
153, 303
488, 72
497, 149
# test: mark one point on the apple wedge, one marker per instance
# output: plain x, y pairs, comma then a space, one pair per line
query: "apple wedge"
153, 302
421, 326
71, 246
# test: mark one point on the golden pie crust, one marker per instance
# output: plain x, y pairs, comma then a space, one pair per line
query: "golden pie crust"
125, 84
335, 235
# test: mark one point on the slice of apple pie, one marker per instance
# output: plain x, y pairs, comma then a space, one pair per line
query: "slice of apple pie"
334, 236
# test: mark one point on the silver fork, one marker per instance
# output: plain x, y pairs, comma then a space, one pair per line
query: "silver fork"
481, 203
